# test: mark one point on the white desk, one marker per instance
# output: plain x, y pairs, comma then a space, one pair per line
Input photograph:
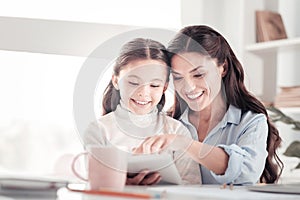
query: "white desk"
186, 193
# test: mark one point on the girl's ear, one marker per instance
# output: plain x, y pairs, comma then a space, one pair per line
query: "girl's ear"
114, 80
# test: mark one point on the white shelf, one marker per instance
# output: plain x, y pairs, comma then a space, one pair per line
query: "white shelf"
273, 46
290, 109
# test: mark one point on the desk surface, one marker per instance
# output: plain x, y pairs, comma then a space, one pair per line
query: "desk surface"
186, 192
174, 192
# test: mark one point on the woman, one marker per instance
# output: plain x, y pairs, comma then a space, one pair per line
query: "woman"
234, 140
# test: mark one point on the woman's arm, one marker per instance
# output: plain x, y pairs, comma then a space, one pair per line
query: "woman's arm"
213, 158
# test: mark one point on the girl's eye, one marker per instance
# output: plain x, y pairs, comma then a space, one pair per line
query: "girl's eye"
155, 85
133, 83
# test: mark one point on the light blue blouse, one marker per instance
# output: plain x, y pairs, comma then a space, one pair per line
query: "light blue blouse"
243, 138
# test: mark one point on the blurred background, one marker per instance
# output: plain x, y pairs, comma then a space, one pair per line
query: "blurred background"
43, 45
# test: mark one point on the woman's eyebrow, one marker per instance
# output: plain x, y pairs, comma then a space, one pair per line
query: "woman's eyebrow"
193, 70
196, 69
173, 72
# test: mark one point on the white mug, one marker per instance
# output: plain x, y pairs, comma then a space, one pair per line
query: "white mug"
106, 167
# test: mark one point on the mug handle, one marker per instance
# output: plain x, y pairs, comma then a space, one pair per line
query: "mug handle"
73, 166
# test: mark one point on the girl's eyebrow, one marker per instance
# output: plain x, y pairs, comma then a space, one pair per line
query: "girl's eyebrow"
193, 70
134, 76
157, 79
137, 77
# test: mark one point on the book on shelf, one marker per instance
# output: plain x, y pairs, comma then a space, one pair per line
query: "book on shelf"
269, 26
288, 97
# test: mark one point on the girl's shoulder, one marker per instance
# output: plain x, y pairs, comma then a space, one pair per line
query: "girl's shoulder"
101, 121
169, 118
172, 124
106, 117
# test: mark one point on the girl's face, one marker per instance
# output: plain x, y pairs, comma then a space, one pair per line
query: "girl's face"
197, 79
141, 84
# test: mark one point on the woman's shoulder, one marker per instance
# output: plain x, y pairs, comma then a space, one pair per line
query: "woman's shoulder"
241, 118
236, 114
252, 116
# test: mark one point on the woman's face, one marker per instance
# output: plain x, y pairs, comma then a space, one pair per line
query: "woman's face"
197, 79
141, 84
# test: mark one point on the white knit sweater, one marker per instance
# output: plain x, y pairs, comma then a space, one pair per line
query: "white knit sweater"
126, 131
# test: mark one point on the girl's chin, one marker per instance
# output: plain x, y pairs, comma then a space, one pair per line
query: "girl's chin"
140, 111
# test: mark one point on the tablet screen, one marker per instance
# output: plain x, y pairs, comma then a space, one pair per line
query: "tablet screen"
162, 163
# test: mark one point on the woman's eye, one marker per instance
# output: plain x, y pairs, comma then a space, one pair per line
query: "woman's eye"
198, 75
176, 78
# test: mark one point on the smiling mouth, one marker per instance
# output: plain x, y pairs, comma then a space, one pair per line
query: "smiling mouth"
195, 95
141, 102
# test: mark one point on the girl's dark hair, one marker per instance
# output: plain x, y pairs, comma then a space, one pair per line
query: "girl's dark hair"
206, 41
136, 49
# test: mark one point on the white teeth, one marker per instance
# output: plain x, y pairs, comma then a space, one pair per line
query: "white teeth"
142, 102
194, 96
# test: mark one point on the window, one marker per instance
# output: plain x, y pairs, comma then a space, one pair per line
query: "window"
36, 119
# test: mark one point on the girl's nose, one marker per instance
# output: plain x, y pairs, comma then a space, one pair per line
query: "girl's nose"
143, 91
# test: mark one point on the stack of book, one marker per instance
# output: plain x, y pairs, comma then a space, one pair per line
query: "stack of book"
288, 97
30, 187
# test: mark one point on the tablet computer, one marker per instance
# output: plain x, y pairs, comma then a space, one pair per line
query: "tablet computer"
162, 163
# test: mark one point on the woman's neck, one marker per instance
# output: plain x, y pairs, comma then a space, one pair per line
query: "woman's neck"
206, 119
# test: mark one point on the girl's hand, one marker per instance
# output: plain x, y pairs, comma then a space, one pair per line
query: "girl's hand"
145, 177
159, 143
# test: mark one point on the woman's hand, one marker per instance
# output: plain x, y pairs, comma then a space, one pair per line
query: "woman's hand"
145, 177
159, 143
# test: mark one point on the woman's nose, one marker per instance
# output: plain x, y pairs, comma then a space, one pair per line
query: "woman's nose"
189, 85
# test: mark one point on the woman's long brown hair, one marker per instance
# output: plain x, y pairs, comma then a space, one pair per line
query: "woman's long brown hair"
207, 41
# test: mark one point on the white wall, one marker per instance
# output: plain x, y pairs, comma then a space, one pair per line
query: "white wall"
288, 62
43, 45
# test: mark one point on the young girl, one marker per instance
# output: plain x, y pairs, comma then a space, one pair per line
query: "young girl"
133, 103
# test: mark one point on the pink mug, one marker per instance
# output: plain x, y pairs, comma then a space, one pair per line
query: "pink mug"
106, 167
